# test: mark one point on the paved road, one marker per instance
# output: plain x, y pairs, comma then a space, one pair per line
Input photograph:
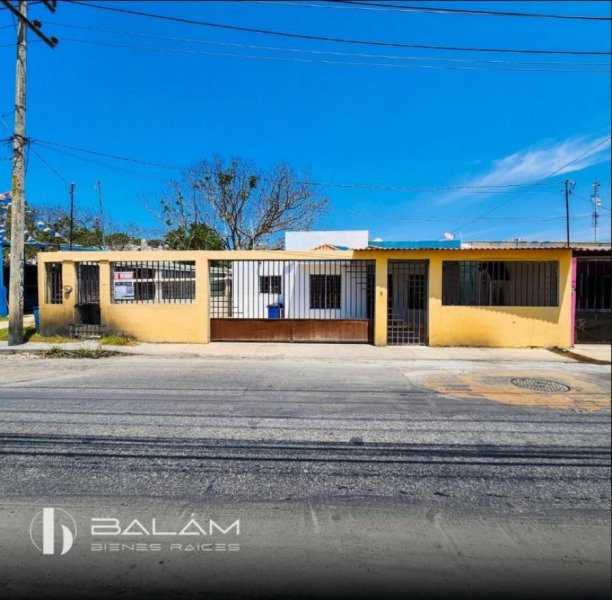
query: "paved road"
361, 479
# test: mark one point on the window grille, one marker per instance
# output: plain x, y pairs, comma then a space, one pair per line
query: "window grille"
54, 289
500, 283
270, 284
153, 282
325, 291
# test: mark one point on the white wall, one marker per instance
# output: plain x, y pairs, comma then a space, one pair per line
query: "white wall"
249, 303
308, 240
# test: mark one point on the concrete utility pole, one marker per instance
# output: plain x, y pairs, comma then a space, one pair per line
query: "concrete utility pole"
71, 212
101, 208
15, 334
569, 186
596, 206
16, 262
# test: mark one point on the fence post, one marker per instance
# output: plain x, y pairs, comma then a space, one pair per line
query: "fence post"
202, 294
380, 302
105, 291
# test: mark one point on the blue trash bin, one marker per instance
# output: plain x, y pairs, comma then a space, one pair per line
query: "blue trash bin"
36, 312
274, 311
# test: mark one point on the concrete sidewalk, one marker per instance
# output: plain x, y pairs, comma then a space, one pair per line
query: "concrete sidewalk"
329, 352
594, 352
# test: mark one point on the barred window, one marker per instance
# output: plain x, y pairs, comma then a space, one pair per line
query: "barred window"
156, 282
54, 289
593, 284
325, 291
270, 284
500, 283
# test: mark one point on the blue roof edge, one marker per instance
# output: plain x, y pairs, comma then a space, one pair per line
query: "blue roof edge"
420, 244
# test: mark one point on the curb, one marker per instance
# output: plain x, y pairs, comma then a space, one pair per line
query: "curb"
580, 357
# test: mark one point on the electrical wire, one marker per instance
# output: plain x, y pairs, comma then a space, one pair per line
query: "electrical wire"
111, 167
484, 189
330, 62
107, 155
324, 52
436, 219
555, 172
589, 201
320, 38
50, 167
449, 11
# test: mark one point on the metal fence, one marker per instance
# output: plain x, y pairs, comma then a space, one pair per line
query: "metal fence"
54, 283
153, 282
500, 283
292, 289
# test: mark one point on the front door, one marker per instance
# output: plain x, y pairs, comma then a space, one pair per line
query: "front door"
88, 293
407, 302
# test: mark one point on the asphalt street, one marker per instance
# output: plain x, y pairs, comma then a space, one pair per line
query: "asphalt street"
350, 479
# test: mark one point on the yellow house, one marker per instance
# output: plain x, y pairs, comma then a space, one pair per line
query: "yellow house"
515, 297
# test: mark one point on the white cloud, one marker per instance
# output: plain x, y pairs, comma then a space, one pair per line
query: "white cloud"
536, 163
541, 161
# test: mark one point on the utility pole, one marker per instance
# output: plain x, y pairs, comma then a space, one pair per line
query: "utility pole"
101, 208
569, 186
15, 334
16, 262
71, 212
596, 206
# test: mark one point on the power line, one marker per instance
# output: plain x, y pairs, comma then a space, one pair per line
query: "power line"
50, 167
325, 52
438, 218
330, 62
107, 166
484, 189
453, 11
107, 155
589, 201
555, 172
328, 38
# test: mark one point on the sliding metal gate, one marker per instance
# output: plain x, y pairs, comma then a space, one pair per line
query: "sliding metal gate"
292, 300
407, 302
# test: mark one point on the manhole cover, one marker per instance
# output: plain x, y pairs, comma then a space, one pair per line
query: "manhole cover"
540, 385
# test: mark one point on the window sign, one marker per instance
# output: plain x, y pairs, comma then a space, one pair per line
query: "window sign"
123, 285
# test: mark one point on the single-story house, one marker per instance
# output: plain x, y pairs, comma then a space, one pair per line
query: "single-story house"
385, 293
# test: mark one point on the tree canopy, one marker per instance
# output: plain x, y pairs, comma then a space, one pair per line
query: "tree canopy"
246, 206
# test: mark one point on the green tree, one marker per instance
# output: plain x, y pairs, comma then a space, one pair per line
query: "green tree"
195, 236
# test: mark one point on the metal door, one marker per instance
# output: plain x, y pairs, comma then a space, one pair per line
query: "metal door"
407, 302
88, 293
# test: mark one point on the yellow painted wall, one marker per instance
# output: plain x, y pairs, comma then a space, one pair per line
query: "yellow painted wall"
448, 325
493, 326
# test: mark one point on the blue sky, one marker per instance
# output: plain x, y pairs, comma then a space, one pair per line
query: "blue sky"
423, 127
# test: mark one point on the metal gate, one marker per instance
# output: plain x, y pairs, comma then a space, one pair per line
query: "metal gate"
407, 302
88, 293
593, 319
307, 300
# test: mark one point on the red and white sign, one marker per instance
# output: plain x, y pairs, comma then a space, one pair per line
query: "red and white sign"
123, 276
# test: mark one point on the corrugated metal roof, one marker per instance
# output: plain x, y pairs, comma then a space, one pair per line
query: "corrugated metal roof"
492, 248
415, 245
